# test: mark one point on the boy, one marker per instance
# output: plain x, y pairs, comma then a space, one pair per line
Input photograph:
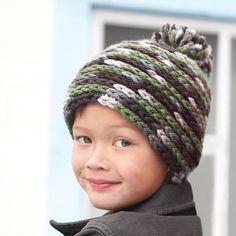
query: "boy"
137, 114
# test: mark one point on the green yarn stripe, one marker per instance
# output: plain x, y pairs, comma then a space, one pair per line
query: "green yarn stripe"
74, 92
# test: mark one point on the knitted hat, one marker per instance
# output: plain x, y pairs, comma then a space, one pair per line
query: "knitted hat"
160, 85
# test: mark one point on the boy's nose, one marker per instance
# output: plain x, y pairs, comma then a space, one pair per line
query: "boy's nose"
98, 160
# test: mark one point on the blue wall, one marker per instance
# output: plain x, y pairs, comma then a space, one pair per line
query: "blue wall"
216, 9
70, 52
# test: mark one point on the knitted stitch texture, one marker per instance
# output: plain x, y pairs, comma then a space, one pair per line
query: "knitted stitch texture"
160, 85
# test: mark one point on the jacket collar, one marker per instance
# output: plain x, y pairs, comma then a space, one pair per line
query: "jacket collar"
170, 198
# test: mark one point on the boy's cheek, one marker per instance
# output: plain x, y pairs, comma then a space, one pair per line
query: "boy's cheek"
77, 172
77, 165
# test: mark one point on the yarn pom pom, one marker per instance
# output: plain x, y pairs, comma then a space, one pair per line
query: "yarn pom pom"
188, 42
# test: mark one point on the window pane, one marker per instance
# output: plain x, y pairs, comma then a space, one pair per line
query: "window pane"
232, 206
202, 180
115, 34
212, 39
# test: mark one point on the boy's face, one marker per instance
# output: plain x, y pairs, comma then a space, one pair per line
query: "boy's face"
112, 160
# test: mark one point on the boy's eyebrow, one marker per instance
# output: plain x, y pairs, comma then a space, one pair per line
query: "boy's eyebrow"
79, 127
120, 126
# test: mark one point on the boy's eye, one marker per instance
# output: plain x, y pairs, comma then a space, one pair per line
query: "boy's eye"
84, 139
122, 143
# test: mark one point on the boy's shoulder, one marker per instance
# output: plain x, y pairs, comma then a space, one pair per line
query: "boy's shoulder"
170, 211
143, 224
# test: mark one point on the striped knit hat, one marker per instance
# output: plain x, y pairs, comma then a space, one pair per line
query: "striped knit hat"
160, 85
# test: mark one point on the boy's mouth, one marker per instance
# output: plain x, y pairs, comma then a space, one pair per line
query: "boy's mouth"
102, 184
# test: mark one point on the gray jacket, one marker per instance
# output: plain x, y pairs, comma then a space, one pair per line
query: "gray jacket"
169, 212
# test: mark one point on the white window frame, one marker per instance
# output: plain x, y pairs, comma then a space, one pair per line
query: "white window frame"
216, 145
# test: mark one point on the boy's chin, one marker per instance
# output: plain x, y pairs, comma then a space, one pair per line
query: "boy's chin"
112, 205
104, 206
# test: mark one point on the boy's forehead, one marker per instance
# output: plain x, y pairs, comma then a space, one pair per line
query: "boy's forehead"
92, 113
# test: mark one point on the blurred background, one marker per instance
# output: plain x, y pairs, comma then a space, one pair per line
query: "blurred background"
42, 46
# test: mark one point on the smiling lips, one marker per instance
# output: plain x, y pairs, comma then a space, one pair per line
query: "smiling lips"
102, 184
